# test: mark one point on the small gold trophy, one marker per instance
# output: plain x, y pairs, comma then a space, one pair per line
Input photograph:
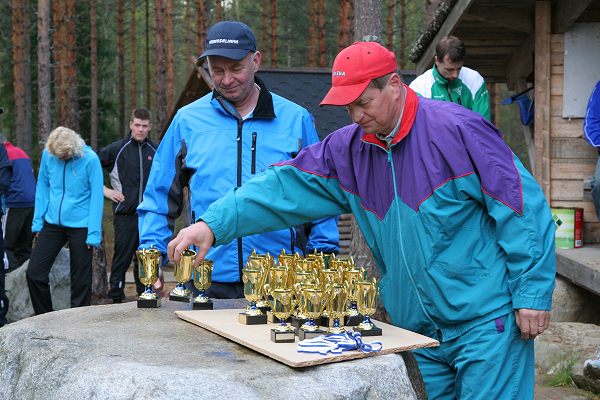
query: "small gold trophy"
277, 279
252, 279
148, 260
352, 276
183, 273
202, 281
311, 302
281, 307
337, 296
367, 305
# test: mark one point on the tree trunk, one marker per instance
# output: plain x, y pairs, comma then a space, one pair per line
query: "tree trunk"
65, 51
264, 28
93, 76
431, 7
133, 104
218, 10
321, 33
345, 37
21, 73
188, 36
170, 59
311, 9
121, 63
403, 34
367, 20
43, 70
389, 24
161, 67
273, 33
200, 26
148, 91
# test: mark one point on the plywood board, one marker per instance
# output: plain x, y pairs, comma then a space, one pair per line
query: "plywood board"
257, 338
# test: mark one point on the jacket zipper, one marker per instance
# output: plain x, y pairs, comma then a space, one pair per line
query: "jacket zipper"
64, 190
390, 161
140, 193
253, 148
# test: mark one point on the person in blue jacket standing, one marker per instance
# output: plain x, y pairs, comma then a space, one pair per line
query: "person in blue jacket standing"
459, 229
591, 131
219, 142
69, 202
5, 178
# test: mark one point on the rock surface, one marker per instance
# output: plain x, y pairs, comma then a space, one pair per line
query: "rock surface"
121, 352
18, 294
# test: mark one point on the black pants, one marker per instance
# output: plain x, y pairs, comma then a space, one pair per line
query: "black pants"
126, 243
51, 240
17, 236
3, 298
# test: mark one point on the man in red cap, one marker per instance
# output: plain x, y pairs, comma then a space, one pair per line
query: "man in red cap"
461, 232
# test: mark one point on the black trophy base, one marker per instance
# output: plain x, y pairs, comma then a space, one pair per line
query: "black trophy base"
274, 320
374, 331
353, 320
182, 299
282, 337
246, 319
264, 309
298, 322
302, 334
326, 321
148, 303
202, 306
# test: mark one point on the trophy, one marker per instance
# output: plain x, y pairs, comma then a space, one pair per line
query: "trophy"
183, 273
277, 279
202, 281
281, 307
148, 261
311, 302
352, 276
252, 279
367, 305
337, 296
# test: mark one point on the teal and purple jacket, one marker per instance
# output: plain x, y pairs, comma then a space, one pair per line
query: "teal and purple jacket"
460, 230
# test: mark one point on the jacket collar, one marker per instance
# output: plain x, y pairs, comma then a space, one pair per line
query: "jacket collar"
264, 105
408, 118
440, 80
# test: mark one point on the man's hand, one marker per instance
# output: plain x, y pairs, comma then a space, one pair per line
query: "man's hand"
532, 322
199, 234
113, 195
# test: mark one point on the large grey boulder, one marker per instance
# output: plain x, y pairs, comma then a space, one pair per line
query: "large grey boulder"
18, 294
571, 303
121, 352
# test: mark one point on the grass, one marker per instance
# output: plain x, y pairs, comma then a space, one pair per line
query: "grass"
561, 374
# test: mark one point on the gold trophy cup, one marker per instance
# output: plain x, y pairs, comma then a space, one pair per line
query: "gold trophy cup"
311, 302
149, 260
202, 281
352, 276
281, 307
337, 296
367, 305
183, 273
252, 279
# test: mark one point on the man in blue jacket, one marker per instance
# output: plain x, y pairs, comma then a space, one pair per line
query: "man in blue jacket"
219, 142
459, 229
591, 131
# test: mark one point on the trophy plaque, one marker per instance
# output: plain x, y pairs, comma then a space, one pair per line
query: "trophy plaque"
183, 273
281, 308
367, 305
252, 279
202, 281
148, 261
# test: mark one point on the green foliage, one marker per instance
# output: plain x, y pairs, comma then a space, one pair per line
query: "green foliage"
563, 371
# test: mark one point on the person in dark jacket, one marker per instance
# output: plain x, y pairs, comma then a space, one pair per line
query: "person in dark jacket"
18, 216
5, 176
128, 162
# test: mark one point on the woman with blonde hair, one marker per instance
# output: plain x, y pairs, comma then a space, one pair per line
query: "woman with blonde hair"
68, 209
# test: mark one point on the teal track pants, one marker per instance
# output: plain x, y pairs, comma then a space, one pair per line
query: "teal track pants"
490, 361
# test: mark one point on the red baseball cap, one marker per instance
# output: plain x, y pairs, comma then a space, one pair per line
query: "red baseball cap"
354, 68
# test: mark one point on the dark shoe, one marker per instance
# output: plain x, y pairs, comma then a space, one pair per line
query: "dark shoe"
117, 301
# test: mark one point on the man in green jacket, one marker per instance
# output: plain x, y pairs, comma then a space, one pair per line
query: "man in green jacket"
449, 80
